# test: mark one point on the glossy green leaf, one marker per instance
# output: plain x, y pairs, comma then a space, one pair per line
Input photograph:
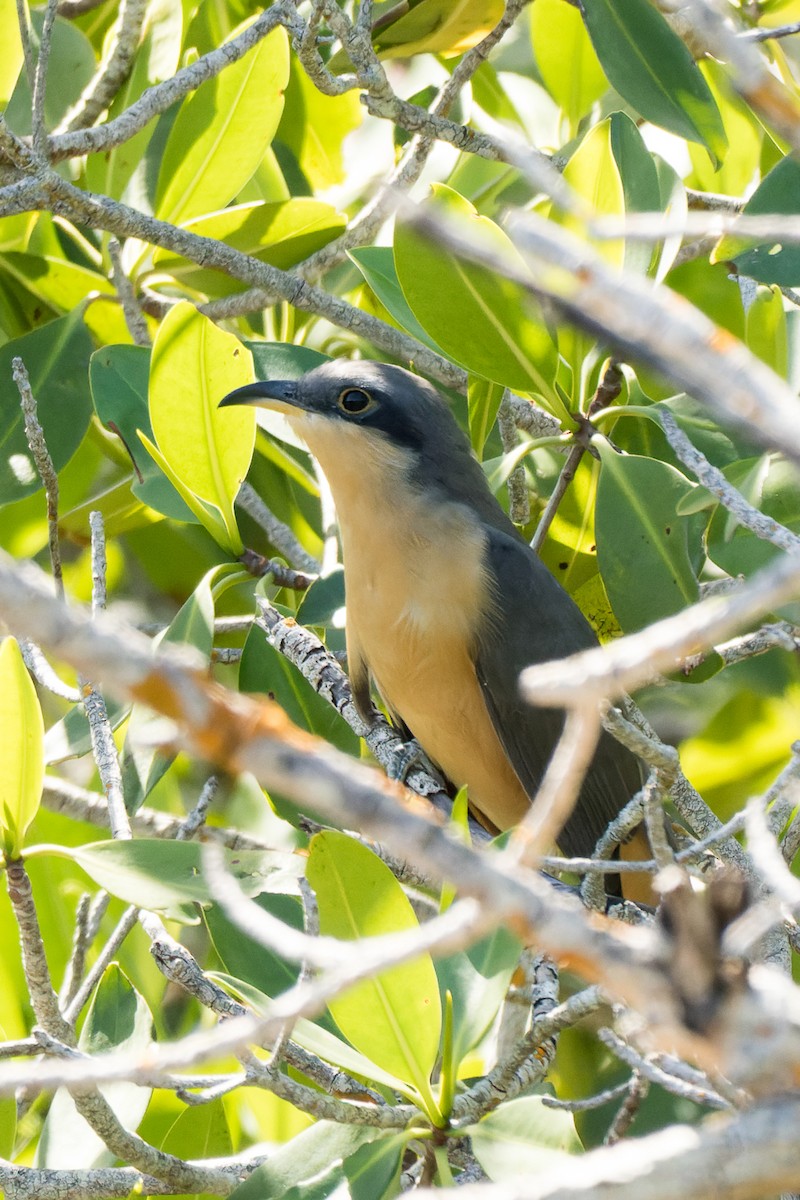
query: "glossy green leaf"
653, 70
773, 261
765, 329
376, 264
643, 546
57, 359
119, 376
483, 402
564, 54
263, 669
158, 874
481, 319
395, 1018
314, 126
222, 132
21, 748
523, 1137
280, 234
119, 1019
194, 364
315, 1153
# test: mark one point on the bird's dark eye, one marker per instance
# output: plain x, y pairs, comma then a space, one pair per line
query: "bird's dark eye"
354, 401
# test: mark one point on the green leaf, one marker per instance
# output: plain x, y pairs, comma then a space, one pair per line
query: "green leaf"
743, 130
323, 603
200, 1132
373, 1170
70, 67
260, 968
222, 132
483, 401
119, 377
119, 1019
57, 359
70, 737
765, 329
8, 1126
314, 126
376, 264
638, 176
194, 364
206, 515
478, 980
21, 748
143, 761
653, 70
523, 1137
772, 486
314, 1036
773, 261
53, 279
593, 174
316, 1152
157, 874
435, 27
567, 63
281, 234
110, 171
643, 546
395, 1018
10, 61
263, 669
481, 319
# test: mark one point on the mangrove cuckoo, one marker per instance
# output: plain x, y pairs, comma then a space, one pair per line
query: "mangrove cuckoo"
446, 602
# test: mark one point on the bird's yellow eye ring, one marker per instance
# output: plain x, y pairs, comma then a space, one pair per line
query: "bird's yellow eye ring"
354, 401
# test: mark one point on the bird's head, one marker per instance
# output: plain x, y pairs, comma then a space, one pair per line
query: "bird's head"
373, 426
366, 397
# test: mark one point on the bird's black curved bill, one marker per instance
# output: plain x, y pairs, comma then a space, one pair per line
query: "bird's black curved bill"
261, 392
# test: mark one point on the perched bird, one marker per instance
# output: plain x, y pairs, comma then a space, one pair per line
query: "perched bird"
446, 602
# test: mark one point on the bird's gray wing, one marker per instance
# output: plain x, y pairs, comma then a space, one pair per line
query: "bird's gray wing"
535, 621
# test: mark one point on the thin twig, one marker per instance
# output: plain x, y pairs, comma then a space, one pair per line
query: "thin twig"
44, 465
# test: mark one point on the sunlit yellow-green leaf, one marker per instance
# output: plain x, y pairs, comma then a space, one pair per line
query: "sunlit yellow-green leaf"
11, 57
21, 748
395, 1018
593, 173
194, 364
567, 63
314, 127
222, 132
